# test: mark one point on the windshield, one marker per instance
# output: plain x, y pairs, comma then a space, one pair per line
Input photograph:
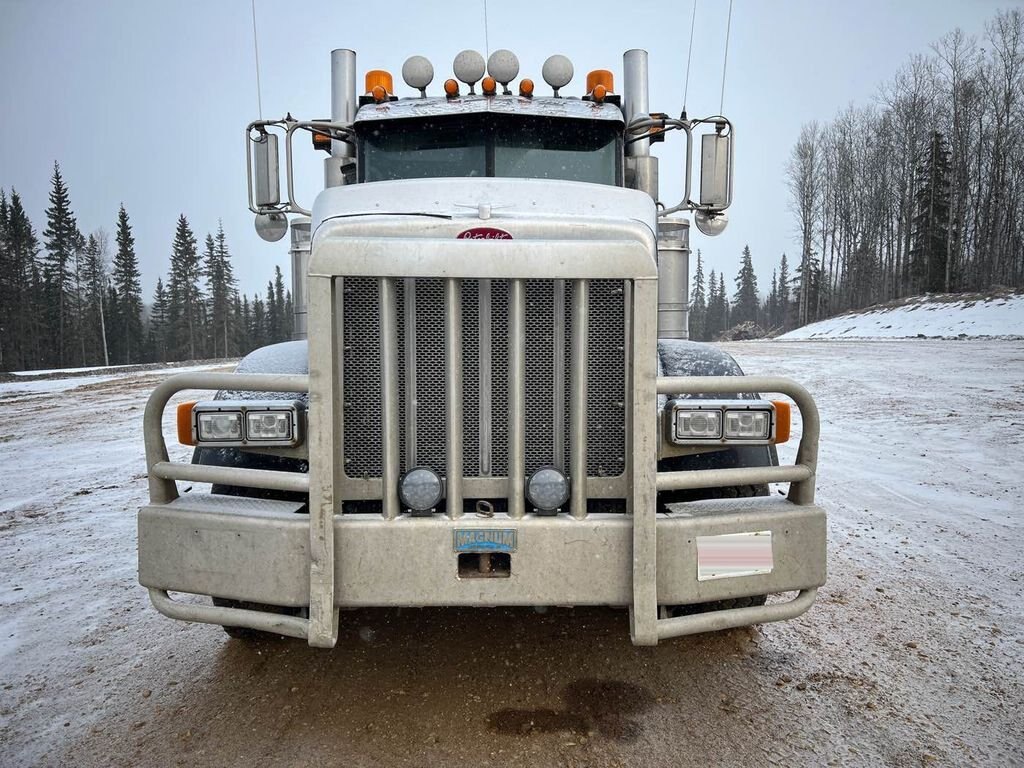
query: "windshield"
532, 148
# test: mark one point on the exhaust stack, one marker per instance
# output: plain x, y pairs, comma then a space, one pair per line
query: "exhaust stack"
641, 166
339, 168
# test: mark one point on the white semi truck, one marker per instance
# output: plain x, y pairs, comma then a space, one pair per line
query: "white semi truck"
497, 403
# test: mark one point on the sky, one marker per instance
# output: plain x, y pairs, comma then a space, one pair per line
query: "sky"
145, 103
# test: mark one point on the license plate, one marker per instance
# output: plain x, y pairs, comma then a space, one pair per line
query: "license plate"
485, 540
734, 554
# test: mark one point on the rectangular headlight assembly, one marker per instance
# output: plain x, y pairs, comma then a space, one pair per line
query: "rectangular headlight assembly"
223, 423
747, 422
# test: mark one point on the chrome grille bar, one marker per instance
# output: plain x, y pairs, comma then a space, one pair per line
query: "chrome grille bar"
558, 390
579, 353
390, 419
409, 366
453, 393
516, 397
485, 377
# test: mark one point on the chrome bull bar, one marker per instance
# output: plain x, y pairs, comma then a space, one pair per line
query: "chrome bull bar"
646, 626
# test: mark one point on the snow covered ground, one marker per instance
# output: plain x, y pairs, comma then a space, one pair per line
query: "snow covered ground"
911, 656
933, 317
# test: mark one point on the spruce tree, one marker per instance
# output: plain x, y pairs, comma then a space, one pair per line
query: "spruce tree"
698, 302
61, 235
745, 300
94, 321
128, 284
784, 314
931, 225
185, 320
723, 300
24, 350
281, 306
220, 284
159, 320
713, 326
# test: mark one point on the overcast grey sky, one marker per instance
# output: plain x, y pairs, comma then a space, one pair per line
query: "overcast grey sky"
146, 102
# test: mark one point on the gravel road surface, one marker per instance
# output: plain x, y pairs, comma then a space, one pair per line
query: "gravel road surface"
912, 655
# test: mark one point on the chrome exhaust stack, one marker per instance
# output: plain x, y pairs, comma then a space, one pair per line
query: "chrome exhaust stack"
641, 166
300, 275
340, 167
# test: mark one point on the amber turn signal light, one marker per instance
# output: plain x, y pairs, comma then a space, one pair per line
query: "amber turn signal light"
783, 420
185, 423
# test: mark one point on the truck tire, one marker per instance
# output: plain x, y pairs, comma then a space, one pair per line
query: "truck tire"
245, 633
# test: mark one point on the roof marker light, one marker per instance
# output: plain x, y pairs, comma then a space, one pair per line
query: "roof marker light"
418, 73
469, 67
598, 77
451, 88
557, 72
526, 88
488, 86
503, 66
380, 77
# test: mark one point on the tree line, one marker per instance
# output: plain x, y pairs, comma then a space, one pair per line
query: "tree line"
923, 189
713, 313
64, 302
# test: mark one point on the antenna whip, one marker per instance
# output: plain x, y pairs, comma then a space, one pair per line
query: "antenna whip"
689, 53
725, 61
256, 50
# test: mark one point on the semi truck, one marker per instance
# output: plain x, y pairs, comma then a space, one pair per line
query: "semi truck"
491, 399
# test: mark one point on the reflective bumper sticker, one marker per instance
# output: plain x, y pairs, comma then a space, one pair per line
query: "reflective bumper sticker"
734, 554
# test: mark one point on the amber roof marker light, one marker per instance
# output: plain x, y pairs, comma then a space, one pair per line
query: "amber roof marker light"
526, 88
489, 86
451, 88
382, 78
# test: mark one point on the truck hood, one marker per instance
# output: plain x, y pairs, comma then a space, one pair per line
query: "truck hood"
486, 202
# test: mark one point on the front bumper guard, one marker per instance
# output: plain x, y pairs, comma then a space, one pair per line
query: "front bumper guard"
647, 557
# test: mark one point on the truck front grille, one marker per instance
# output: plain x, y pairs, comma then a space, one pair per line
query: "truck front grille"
420, 341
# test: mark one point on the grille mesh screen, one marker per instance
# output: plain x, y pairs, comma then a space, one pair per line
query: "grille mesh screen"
362, 377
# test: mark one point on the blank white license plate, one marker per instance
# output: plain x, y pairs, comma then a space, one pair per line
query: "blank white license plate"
734, 554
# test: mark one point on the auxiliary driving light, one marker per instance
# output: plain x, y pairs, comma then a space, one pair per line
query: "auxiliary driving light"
223, 423
420, 489
547, 489
751, 422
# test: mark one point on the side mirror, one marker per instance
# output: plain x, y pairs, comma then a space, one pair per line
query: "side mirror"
716, 170
266, 171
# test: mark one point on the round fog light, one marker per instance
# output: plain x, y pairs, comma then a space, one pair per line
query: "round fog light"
547, 489
420, 489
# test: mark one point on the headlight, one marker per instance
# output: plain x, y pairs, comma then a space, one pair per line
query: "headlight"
750, 422
222, 423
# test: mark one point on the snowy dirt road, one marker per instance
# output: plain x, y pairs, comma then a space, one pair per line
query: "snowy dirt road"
911, 656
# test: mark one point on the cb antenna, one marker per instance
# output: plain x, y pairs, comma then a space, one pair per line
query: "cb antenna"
689, 54
256, 50
725, 61
487, 42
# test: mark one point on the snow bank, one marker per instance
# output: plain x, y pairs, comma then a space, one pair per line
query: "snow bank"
948, 317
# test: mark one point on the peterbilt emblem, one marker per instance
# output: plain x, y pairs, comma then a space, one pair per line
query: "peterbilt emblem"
484, 233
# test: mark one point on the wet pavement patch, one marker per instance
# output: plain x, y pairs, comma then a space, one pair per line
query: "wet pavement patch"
604, 707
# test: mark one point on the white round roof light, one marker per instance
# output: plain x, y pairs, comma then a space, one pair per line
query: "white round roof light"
503, 66
557, 71
418, 73
469, 68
